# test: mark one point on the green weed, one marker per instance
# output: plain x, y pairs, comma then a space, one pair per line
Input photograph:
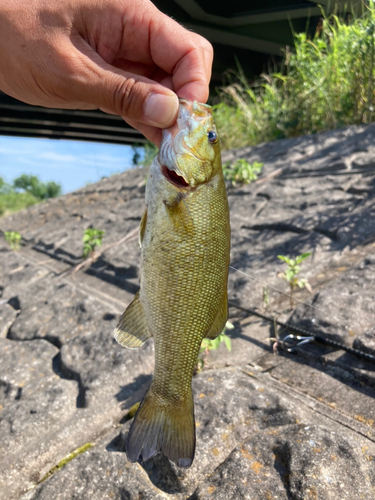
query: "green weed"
143, 155
13, 202
291, 273
242, 172
326, 82
14, 239
265, 297
211, 345
66, 460
92, 238
25, 191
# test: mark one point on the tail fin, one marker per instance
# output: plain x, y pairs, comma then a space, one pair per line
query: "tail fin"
158, 428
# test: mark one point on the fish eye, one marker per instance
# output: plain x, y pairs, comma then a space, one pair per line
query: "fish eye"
212, 136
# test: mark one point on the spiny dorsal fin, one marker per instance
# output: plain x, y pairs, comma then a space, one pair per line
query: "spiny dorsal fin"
221, 318
142, 227
131, 330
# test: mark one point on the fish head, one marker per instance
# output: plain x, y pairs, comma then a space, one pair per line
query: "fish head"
190, 152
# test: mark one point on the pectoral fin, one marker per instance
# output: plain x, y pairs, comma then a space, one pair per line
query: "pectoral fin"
131, 330
221, 318
142, 227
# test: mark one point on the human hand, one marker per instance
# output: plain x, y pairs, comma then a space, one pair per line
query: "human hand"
122, 56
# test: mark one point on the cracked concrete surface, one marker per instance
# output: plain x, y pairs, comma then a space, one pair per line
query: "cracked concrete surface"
269, 426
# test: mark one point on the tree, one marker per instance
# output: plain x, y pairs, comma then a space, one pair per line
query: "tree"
41, 190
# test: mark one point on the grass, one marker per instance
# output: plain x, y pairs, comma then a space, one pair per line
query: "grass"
325, 83
14, 239
143, 155
66, 460
14, 201
25, 191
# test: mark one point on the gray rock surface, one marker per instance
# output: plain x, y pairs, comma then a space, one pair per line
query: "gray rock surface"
302, 462
366, 341
344, 308
289, 426
7, 317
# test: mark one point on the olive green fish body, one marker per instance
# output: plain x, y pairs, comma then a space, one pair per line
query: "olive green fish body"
185, 237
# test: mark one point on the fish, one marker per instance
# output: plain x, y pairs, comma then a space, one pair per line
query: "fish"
184, 237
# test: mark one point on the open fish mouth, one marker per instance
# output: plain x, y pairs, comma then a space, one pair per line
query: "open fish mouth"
174, 178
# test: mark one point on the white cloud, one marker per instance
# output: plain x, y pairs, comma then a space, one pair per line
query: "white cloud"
53, 156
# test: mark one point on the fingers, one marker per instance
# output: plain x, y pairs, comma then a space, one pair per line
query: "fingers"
110, 58
143, 103
189, 61
160, 42
134, 97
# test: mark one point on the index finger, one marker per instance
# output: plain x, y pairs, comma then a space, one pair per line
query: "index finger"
185, 55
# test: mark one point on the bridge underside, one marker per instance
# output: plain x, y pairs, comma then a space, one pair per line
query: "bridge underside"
23, 120
250, 33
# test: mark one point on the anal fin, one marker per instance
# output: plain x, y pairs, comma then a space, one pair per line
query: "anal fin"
131, 330
221, 318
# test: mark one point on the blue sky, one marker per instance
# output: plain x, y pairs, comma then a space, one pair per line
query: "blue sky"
72, 164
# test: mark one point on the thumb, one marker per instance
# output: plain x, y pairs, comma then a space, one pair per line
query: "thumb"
131, 96
135, 99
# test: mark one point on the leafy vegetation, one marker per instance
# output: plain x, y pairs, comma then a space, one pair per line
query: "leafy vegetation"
25, 191
13, 202
242, 172
211, 345
291, 273
143, 155
326, 82
14, 239
41, 190
92, 238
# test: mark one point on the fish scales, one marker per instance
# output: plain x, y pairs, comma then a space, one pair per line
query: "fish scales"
190, 287
185, 238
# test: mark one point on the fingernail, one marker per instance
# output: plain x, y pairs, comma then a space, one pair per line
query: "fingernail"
161, 110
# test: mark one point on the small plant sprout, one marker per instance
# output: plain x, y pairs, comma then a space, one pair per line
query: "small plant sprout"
291, 273
266, 297
211, 345
14, 239
242, 172
92, 238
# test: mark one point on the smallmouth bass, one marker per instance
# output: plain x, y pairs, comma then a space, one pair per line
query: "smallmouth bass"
184, 236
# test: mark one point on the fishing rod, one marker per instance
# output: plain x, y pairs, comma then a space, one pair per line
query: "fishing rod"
291, 342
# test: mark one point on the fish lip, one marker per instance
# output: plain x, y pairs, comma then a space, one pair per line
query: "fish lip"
174, 178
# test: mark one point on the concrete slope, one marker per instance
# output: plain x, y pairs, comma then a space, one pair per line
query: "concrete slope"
269, 426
